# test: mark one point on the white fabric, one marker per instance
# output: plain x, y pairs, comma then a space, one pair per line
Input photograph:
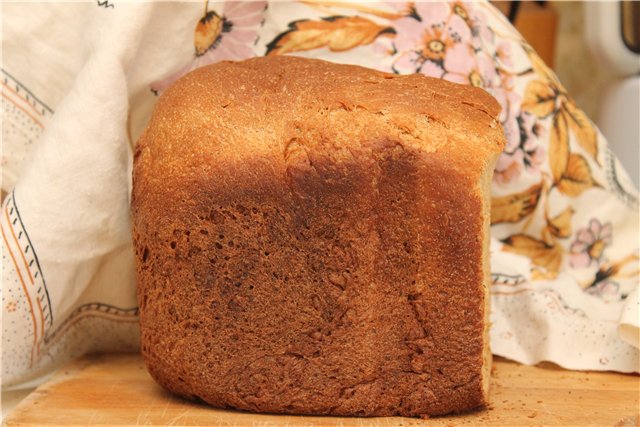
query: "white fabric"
628, 324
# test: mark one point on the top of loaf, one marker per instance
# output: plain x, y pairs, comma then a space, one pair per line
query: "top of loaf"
236, 111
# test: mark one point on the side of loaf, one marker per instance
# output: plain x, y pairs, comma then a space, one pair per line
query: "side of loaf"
313, 238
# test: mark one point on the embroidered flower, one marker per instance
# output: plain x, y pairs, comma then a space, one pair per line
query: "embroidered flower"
229, 36
503, 54
523, 151
423, 37
590, 244
463, 65
476, 21
508, 167
608, 290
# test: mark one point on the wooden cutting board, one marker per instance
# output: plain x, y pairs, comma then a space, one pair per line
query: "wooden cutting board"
115, 389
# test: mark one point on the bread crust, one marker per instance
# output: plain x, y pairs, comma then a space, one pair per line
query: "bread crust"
312, 238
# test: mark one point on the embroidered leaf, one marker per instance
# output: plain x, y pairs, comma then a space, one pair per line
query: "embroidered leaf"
360, 7
514, 207
539, 99
207, 32
582, 128
558, 147
541, 274
548, 256
547, 236
577, 176
560, 225
338, 33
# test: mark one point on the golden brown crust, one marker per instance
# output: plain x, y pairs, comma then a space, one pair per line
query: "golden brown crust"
311, 237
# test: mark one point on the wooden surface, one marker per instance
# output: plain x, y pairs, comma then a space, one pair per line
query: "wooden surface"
117, 390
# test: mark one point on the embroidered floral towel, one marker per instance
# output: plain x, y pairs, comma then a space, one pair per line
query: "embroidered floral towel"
80, 80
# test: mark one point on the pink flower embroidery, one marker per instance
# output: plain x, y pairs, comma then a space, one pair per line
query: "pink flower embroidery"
523, 150
503, 54
590, 244
480, 30
508, 167
607, 290
463, 65
423, 37
226, 37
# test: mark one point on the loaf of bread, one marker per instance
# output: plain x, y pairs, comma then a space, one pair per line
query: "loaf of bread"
313, 238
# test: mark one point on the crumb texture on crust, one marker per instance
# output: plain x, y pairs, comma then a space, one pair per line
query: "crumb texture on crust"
311, 239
